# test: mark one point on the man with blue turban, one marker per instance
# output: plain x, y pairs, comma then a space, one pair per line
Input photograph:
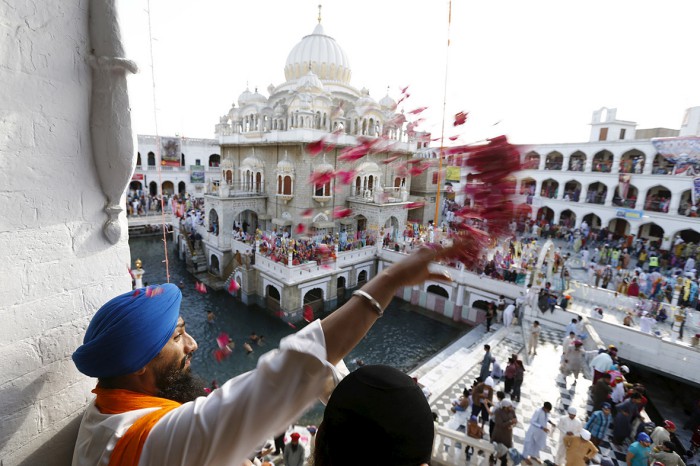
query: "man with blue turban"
150, 411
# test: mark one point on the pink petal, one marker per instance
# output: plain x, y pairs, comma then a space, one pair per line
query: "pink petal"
340, 212
417, 110
315, 148
460, 118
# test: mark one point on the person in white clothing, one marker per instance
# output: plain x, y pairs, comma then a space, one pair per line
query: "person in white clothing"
508, 315
646, 323
150, 410
567, 425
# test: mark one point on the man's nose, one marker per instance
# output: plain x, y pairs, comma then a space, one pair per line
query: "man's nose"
191, 343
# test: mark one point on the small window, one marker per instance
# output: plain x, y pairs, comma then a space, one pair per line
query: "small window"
622, 133
198, 162
603, 136
435, 177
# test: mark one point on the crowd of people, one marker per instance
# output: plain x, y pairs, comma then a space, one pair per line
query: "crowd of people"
486, 410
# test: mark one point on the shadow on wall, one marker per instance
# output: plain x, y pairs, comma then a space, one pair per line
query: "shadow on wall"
16, 406
57, 447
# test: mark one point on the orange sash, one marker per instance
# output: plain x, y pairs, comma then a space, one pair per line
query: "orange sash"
128, 449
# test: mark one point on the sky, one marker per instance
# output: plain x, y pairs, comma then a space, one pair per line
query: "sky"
534, 70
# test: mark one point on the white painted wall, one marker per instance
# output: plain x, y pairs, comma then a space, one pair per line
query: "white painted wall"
58, 268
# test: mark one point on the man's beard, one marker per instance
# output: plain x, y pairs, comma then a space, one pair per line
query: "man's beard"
177, 384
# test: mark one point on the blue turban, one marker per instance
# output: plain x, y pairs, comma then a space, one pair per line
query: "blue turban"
128, 331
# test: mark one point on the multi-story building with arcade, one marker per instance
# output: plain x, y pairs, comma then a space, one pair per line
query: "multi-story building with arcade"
632, 181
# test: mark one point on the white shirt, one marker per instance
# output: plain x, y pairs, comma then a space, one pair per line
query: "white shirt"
602, 362
223, 428
646, 324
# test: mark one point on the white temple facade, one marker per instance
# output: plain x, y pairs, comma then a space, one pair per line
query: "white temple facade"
632, 181
265, 166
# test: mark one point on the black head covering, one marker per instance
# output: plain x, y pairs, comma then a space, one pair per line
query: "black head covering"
376, 415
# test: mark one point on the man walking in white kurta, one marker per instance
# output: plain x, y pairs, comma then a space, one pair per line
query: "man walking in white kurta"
568, 425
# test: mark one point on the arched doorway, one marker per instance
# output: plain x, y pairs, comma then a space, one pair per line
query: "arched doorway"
153, 188
532, 161
658, 199
572, 191
592, 220
480, 304
602, 161
686, 205
651, 231
340, 290
361, 223
246, 222
182, 187
689, 236
662, 166
391, 228
167, 188
438, 290
272, 297
545, 213
214, 265
632, 161
619, 227
314, 299
213, 222
135, 186
567, 218
626, 198
550, 189
577, 161
362, 278
554, 161
527, 186
596, 193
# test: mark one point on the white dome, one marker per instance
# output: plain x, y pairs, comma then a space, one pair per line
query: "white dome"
310, 82
387, 103
252, 162
328, 61
244, 98
369, 167
285, 166
323, 167
257, 98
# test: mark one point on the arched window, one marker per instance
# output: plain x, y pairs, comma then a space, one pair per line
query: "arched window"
287, 186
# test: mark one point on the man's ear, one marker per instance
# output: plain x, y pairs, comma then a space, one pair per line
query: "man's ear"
140, 371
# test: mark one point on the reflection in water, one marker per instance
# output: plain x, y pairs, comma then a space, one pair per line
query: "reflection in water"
401, 339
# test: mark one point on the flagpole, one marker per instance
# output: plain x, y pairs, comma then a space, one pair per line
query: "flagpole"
444, 104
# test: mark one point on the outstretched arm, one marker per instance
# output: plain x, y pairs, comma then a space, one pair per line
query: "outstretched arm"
348, 325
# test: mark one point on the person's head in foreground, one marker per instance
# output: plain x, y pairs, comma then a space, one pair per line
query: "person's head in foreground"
137, 341
644, 439
387, 409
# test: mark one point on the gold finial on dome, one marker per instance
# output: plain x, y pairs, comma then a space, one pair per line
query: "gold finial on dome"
319, 13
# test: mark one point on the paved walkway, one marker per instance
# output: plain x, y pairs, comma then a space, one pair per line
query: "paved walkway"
449, 372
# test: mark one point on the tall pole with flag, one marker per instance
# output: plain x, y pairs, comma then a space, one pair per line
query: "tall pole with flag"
436, 218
